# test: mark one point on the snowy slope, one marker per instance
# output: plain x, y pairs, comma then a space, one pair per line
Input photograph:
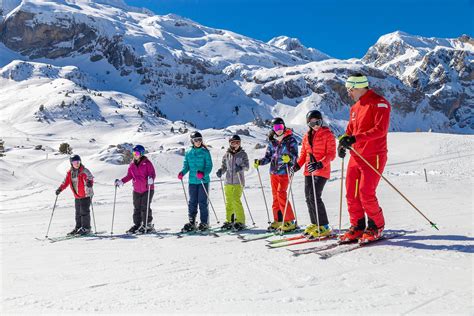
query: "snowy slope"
426, 271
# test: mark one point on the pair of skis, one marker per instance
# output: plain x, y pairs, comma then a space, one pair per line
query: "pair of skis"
101, 235
327, 251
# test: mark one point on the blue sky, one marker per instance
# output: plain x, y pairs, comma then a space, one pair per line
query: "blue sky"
340, 28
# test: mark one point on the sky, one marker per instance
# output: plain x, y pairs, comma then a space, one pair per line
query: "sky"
340, 28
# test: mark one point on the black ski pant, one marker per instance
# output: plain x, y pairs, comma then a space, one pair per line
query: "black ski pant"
83, 213
139, 207
319, 207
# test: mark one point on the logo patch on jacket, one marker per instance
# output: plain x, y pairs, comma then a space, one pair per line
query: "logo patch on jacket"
382, 105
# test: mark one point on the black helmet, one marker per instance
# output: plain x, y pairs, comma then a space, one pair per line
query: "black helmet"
234, 138
140, 149
277, 120
74, 158
313, 114
196, 134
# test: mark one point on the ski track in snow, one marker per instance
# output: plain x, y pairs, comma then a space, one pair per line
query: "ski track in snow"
425, 271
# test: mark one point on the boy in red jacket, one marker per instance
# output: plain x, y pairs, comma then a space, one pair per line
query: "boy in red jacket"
80, 180
142, 172
317, 151
366, 133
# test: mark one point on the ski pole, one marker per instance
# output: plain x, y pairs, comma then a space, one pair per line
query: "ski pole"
286, 204
52, 213
113, 212
210, 202
292, 198
223, 194
245, 199
184, 191
93, 216
263, 192
147, 208
311, 158
393, 187
340, 195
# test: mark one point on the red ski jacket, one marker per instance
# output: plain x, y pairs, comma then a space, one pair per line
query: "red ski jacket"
368, 123
77, 180
322, 147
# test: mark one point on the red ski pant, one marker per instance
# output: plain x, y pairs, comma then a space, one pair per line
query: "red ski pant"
361, 184
279, 187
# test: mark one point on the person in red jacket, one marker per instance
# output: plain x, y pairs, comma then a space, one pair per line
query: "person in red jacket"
317, 151
366, 133
80, 180
142, 172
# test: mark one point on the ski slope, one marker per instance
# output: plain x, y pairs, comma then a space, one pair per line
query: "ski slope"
424, 272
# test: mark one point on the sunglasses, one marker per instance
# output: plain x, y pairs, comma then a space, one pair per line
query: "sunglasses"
197, 139
278, 127
318, 122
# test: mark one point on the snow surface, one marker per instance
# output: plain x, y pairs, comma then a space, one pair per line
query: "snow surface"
427, 271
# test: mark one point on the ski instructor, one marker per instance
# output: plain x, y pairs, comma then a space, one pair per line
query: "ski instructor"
366, 133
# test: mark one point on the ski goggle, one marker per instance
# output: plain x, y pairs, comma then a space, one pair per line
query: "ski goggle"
76, 162
317, 122
137, 153
235, 142
278, 127
196, 140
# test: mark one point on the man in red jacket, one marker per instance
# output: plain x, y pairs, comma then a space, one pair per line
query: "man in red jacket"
80, 180
366, 133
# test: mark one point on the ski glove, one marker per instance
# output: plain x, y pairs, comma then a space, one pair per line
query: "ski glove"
313, 166
285, 158
295, 168
219, 173
200, 175
341, 152
238, 168
150, 181
89, 184
58, 191
256, 163
346, 141
180, 176
118, 183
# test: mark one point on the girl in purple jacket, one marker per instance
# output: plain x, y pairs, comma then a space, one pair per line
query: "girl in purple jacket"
142, 174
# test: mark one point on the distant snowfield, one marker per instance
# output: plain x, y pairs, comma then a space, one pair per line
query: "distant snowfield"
426, 271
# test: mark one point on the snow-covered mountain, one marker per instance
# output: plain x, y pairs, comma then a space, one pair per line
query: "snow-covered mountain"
180, 70
443, 69
294, 46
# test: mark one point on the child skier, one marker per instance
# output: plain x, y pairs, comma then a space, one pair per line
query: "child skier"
317, 152
142, 172
197, 161
282, 152
80, 180
234, 163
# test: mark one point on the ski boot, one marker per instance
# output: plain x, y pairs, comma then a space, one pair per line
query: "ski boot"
274, 226
371, 234
203, 227
188, 227
353, 234
309, 229
321, 231
238, 226
73, 232
148, 229
287, 226
83, 231
227, 226
133, 229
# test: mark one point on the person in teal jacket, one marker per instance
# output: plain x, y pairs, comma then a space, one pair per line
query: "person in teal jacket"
197, 161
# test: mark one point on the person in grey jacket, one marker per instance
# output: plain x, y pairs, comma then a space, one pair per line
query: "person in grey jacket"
234, 163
